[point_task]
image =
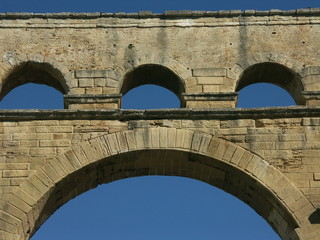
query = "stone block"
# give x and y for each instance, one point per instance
(205, 142)
(112, 143)
(19, 129)
(94, 90)
(147, 138)
(77, 155)
(55, 143)
(91, 106)
(236, 157)
(187, 140)
(16, 173)
(245, 159)
(130, 140)
(48, 151)
(163, 137)
(304, 212)
(14, 166)
(180, 138)
(210, 80)
(211, 88)
(109, 90)
(139, 138)
(314, 184)
(69, 161)
(38, 184)
(112, 83)
(5, 137)
(155, 137)
(222, 148)
(144, 13)
(100, 82)
(196, 141)
(86, 82)
(210, 104)
(9, 233)
(313, 102)
(57, 168)
(209, 72)
(171, 134)
(30, 190)
(4, 182)
(237, 123)
(257, 167)
(262, 138)
(10, 144)
(44, 179)
(90, 151)
(91, 73)
(316, 176)
(32, 136)
(77, 91)
(227, 156)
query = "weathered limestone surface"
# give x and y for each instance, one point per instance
(268, 158)
(204, 52)
(269, 162)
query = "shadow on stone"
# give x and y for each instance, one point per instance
(314, 218)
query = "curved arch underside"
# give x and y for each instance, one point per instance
(33, 72)
(160, 151)
(167, 163)
(153, 74)
(269, 72)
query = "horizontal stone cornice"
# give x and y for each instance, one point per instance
(166, 14)
(193, 114)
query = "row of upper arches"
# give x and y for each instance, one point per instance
(160, 75)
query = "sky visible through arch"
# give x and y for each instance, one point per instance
(152, 207)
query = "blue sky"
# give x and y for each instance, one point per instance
(153, 5)
(151, 207)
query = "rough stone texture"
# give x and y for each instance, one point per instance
(99, 53)
(269, 162)
(268, 157)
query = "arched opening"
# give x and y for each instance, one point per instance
(169, 163)
(273, 73)
(150, 96)
(33, 72)
(156, 75)
(264, 95)
(33, 96)
(155, 207)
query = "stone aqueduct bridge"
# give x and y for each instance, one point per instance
(268, 158)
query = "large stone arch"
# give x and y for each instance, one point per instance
(16, 69)
(141, 152)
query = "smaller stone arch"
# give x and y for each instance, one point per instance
(271, 68)
(276, 74)
(154, 74)
(33, 68)
(181, 70)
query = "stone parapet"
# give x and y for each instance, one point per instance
(210, 100)
(97, 101)
(182, 113)
(166, 14)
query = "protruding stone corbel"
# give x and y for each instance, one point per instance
(312, 98)
(88, 101)
(211, 100)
